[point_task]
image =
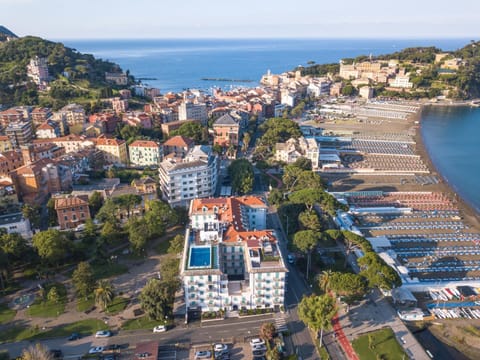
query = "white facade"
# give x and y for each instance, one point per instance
(145, 153)
(402, 82)
(182, 180)
(246, 270)
(16, 223)
(293, 149)
(193, 111)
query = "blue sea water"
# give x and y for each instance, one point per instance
(178, 64)
(450, 135)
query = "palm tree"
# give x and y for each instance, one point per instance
(324, 280)
(37, 352)
(104, 294)
(267, 331)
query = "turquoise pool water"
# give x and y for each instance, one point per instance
(200, 257)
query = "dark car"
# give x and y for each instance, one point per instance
(74, 336)
(112, 348)
(258, 352)
(56, 354)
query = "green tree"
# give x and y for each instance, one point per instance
(267, 331)
(104, 293)
(377, 272)
(193, 130)
(109, 231)
(13, 245)
(127, 202)
(51, 245)
(241, 173)
(317, 312)
(305, 241)
(159, 216)
(83, 279)
(275, 197)
(303, 163)
(176, 245)
(95, 203)
(157, 297)
(138, 234)
(90, 231)
(52, 213)
(324, 280)
(246, 141)
(306, 196)
(53, 296)
(32, 213)
(37, 352)
(309, 220)
(347, 284)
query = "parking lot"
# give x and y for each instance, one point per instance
(237, 351)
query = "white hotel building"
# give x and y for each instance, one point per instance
(192, 177)
(230, 261)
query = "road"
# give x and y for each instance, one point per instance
(297, 287)
(206, 333)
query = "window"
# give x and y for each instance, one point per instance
(82, 215)
(65, 218)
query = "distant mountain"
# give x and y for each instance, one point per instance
(6, 34)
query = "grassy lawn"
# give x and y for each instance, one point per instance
(17, 333)
(142, 323)
(6, 314)
(47, 308)
(84, 327)
(85, 304)
(108, 270)
(380, 344)
(118, 304)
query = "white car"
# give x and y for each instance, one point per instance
(103, 333)
(96, 350)
(256, 341)
(203, 355)
(159, 328)
(220, 347)
(291, 259)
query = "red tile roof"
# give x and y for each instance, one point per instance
(179, 141)
(144, 143)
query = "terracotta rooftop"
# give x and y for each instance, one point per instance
(102, 140)
(144, 143)
(70, 201)
(179, 141)
(45, 126)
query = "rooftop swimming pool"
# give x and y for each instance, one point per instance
(200, 257)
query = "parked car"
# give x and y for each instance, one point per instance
(258, 353)
(143, 355)
(74, 336)
(96, 350)
(257, 341)
(291, 259)
(103, 333)
(112, 348)
(56, 354)
(159, 328)
(260, 347)
(203, 355)
(220, 347)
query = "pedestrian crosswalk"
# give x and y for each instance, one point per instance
(281, 324)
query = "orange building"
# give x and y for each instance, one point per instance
(72, 211)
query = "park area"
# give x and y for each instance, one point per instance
(380, 344)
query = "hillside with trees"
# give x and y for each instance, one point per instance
(428, 77)
(74, 76)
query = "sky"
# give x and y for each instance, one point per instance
(90, 19)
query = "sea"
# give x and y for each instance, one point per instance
(178, 64)
(450, 134)
(451, 137)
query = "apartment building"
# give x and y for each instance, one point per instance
(40, 115)
(71, 143)
(117, 78)
(178, 146)
(20, 133)
(5, 144)
(72, 211)
(37, 70)
(114, 150)
(145, 153)
(226, 131)
(48, 130)
(193, 111)
(230, 259)
(195, 176)
(293, 149)
(72, 114)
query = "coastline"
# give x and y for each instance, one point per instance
(468, 210)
